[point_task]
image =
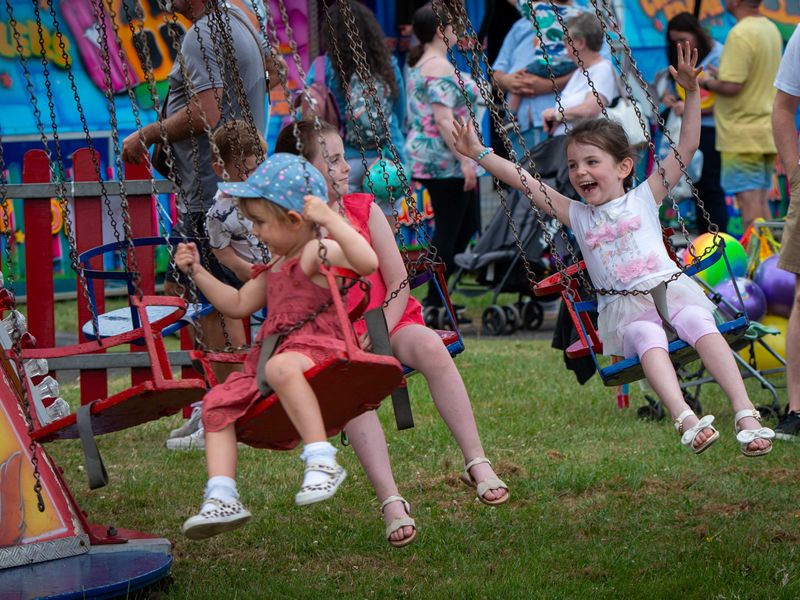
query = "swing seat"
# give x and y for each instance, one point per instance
(123, 320)
(159, 396)
(346, 386)
(629, 369)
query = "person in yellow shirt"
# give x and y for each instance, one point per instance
(743, 109)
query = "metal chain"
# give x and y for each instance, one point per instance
(16, 336)
(98, 7)
(464, 22)
(56, 168)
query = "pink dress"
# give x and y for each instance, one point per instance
(291, 296)
(357, 208)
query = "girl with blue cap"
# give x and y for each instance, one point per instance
(284, 200)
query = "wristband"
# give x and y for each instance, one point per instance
(483, 154)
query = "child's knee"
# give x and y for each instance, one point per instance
(693, 322)
(641, 336)
(280, 369)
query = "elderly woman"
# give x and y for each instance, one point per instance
(578, 98)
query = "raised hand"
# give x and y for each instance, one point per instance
(686, 73)
(466, 140)
(187, 257)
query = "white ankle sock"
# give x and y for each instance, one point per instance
(318, 453)
(221, 488)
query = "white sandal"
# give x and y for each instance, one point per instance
(688, 436)
(492, 483)
(745, 437)
(318, 492)
(399, 522)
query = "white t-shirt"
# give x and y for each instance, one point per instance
(574, 93)
(621, 241)
(226, 226)
(788, 78)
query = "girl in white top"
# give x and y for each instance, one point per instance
(620, 237)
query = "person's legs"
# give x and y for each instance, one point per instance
(648, 341)
(221, 510)
(789, 426)
(708, 186)
(422, 349)
(449, 208)
(696, 326)
(748, 177)
(285, 374)
(369, 443)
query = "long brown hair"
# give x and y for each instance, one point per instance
(687, 23)
(369, 31)
(308, 135)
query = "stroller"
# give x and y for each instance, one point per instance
(495, 260)
(497, 266)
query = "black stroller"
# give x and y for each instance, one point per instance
(495, 260)
(497, 266)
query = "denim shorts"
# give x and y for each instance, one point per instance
(743, 172)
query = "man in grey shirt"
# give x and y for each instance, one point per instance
(213, 91)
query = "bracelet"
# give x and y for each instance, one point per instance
(483, 154)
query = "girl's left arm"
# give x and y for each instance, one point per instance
(346, 248)
(686, 75)
(393, 270)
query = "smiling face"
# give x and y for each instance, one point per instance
(337, 171)
(595, 174)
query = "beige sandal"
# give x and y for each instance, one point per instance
(745, 437)
(492, 483)
(399, 522)
(689, 435)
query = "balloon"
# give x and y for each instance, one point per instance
(778, 286)
(734, 251)
(765, 360)
(383, 185)
(755, 303)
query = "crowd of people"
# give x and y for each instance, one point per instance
(254, 213)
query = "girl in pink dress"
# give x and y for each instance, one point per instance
(413, 344)
(274, 197)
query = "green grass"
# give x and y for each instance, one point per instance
(603, 505)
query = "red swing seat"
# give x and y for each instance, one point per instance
(157, 397)
(346, 385)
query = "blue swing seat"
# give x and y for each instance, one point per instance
(123, 320)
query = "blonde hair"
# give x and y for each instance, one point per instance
(246, 205)
(237, 140)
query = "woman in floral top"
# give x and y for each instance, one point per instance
(435, 98)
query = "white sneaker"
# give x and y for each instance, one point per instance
(225, 516)
(318, 492)
(193, 441)
(191, 425)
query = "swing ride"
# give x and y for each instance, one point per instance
(347, 384)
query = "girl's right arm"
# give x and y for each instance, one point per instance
(231, 302)
(468, 144)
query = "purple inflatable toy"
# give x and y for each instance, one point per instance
(777, 285)
(755, 302)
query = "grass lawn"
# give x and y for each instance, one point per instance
(603, 505)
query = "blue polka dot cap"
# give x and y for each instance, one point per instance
(281, 179)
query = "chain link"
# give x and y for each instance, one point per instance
(16, 335)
